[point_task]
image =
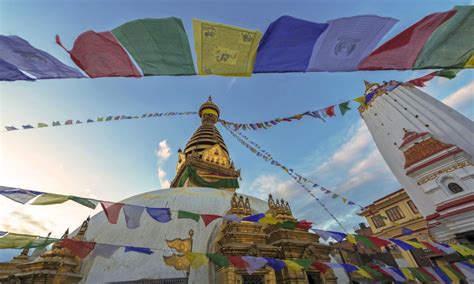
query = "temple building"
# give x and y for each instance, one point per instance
(429, 147)
(206, 182)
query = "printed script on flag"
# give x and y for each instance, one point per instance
(225, 50)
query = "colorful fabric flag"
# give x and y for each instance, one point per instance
(10, 128)
(351, 238)
(407, 273)
(237, 261)
(442, 275)
(347, 41)
(349, 267)
(445, 249)
(364, 273)
(78, 248)
(224, 50)
(9, 72)
(304, 225)
(85, 201)
(338, 236)
(254, 263)
(188, 215)
(159, 46)
(450, 45)
(38, 63)
(276, 264)
(50, 198)
(16, 241)
(138, 249)
(196, 260)
(254, 218)
(360, 100)
(40, 125)
(366, 241)
(323, 267)
(419, 275)
(19, 195)
(99, 54)
(162, 215)
(420, 82)
(415, 244)
(133, 215)
(68, 122)
(430, 272)
(329, 111)
(218, 259)
(466, 268)
(28, 126)
(393, 274)
(305, 263)
(208, 218)
(344, 107)
(402, 244)
(2, 233)
(232, 218)
(287, 45)
(269, 219)
(111, 210)
(41, 242)
(406, 231)
(400, 52)
(292, 265)
(104, 250)
(289, 225)
(432, 248)
(378, 241)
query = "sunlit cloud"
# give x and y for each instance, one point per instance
(163, 152)
(462, 98)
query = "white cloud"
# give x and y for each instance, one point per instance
(162, 177)
(461, 97)
(163, 152)
(265, 184)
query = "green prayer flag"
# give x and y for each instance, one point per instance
(334, 196)
(306, 263)
(159, 46)
(420, 275)
(50, 198)
(368, 243)
(451, 44)
(85, 201)
(344, 107)
(188, 215)
(218, 259)
(448, 73)
(290, 225)
(17, 241)
(41, 242)
(372, 271)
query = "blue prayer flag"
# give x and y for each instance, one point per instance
(337, 235)
(132, 215)
(406, 231)
(276, 264)
(254, 218)
(19, 195)
(28, 126)
(104, 250)
(402, 244)
(138, 249)
(369, 97)
(89, 121)
(349, 267)
(442, 275)
(9, 72)
(38, 63)
(2, 233)
(287, 45)
(161, 215)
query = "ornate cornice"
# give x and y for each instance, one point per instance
(448, 169)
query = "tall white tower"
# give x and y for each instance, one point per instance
(430, 148)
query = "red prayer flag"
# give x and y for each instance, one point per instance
(379, 242)
(238, 262)
(101, 55)
(420, 82)
(432, 248)
(330, 111)
(376, 267)
(304, 225)
(208, 218)
(78, 248)
(400, 52)
(427, 273)
(111, 210)
(320, 266)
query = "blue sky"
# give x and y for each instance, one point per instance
(115, 160)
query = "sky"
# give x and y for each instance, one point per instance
(116, 160)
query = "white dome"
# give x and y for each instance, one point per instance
(134, 266)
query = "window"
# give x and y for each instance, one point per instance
(378, 221)
(413, 206)
(395, 214)
(454, 187)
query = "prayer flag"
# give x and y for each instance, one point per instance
(68, 122)
(287, 45)
(347, 41)
(41, 242)
(2, 233)
(406, 231)
(400, 52)
(432, 248)
(40, 124)
(415, 244)
(111, 210)
(338, 236)
(378, 241)
(133, 214)
(446, 249)
(466, 268)
(50, 198)
(289, 225)
(305, 263)
(407, 273)
(392, 274)
(323, 267)
(419, 275)
(304, 225)
(366, 241)
(351, 238)
(85, 201)
(17, 241)
(349, 267)
(38, 63)
(269, 219)
(56, 123)
(78, 248)
(451, 44)
(232, 218)
(196, 260)
(10, 128)
(159, 46)
(224, 50)
(218, 259)
(188, 215)
(344, 107)
(99, 54)
(402, 244)
(369, 97)
(360, 100)
(237, 261)
(420, 82)
(90, 120)
(276, 264)
(329, 111)
(292, 265)
(254, 263)
(162, 215)
(9, 72)
(442, 275)
(371, 271)
(323, 234)
(104, 250)
(19, 195)
(138, 249)
(208, 218)
(254, 218)
(430, 274)
(28, 126)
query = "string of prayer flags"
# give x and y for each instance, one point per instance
(401, 52)
(22, 55)
(18, 195)
(9, 72)
(162, 215)
(99, 54)
(188, 215)
(224, 50)
(447, 73)
(158, 46)
(16, 241)
(111, 210)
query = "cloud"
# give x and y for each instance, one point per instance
(462, 97)
(265, 184)
(163, 152)
(162, 177)
(16, 223)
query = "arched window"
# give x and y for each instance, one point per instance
(455, 188)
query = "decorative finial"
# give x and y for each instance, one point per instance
(209, 99)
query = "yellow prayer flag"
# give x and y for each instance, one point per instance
(462, 250)
(40, 124)
(407, 273)
(470, 62)
(360, 100)
(416, 244)
(344, 200)
(16, 241)
(269, 219)
(351, 238)
(50, 198)
(293, 265)
(224, 50)
(196, 260)
(450, 274)
(364, 273)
